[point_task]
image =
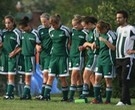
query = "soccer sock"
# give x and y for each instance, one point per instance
(108, 94)
(72, 91)
(43, 89)
(26, 91)
(10, 89)
(47, 91)
(85, 91)
(80, 89)
(65, 92)
(97, 93)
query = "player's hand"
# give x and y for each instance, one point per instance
(11, 54)
(81, 48)
(130, 51)
(102, 39)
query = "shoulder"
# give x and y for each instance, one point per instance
(35, 32)
(112, 34)
(40, 27)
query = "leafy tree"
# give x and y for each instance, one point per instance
(7, 7)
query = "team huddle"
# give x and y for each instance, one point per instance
(88, 52)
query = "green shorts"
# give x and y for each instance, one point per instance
(8, 65)
(105, 70)
(76, 63)
(29, 62)
(21, 66)
(91, 63)
(44, 63)
(58, 66)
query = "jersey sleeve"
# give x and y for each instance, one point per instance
(112, 37)
(35, 32)
(18, 36)
(132, 33)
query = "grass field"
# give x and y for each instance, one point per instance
(55, 104)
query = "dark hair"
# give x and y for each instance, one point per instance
(11, 19)
(24, 22)
(123, 12)
(103, 25)
(55, 19)
(89, 19)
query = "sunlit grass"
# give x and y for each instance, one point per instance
(56, 104)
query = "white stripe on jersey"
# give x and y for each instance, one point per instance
(34, 31)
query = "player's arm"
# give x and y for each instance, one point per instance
(15, 51)
(110, 45)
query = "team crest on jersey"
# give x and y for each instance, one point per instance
(125, 33)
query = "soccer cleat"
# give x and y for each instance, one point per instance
(39, 97)
(107, 102)
(46, 98)
(6, 97)
(70, 100)
(95, 101)
(64, 100)
(120, 104)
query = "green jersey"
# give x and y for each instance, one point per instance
(77, 39)
(106, 55)
(10, 40)
(29, 41)
(93, 37)
(45, 39)
(60, 39)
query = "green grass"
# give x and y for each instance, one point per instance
(55, 104)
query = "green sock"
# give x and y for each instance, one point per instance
(97, 93)
(47, 91)
(26, 91)
(85, 91)
(72, 92)
(80, 89)
(108, 94)
(65, 92)
(43, 89)
(10, 89)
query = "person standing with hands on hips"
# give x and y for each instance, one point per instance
(125, 54)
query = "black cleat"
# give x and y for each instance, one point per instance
(64, 100)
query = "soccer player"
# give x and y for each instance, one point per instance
(105, 62)
(76, 62)
(59, 57)
(124, 55)
(10, 49)
(46, 45)
(29, 41)
(89, 24)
